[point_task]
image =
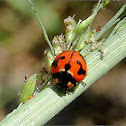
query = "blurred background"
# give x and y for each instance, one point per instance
(22, 48)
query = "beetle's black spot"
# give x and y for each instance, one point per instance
(55, 62)
(63, 79)
(80, 71)
(71, 56)
(67, 67)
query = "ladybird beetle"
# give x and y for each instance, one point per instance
(67, 69)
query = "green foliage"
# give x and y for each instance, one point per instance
(81, 26)
(50, 101)
(28, 88)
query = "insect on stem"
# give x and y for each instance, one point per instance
(43, 28)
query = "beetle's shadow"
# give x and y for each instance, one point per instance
(61, 92)
(58, 91)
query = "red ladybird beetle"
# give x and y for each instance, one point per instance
(67, 69)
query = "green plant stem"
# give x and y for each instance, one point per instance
(50, 101)
(112, 22)
(43, 28)
(88, 20)
(123, 21)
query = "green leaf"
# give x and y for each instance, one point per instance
(84, 24)
(28, 88)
